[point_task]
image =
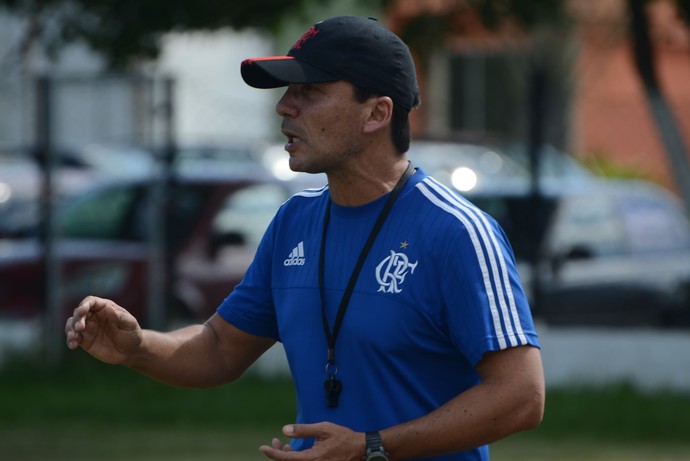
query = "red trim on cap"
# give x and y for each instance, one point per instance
(266, 58)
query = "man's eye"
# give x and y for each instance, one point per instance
(308, 88)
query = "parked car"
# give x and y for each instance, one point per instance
(611, 253)
(474, 167)
(215, 224)
(467, 167)
(21, 184)
(80, 168)
(606, 252)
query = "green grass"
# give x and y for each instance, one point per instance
(87, 392)
(611, 424)
(618, 414)
(87, 410)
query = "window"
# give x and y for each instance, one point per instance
(523, 224)
(588, 224)
(101, 215)
(654, 224)
(486, 94)
(247, 213)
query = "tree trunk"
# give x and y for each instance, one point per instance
(661, 112)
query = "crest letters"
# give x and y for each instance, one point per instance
(391, 272)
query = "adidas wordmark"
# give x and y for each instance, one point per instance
(296, 257)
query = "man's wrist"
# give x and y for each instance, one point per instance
(374, 450)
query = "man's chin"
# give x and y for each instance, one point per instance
(300, 167)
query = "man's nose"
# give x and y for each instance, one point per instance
(285, 107)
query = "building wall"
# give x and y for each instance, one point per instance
(611, 116)
(212, 104)
(608, 114)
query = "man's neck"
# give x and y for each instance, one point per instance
(366, 183)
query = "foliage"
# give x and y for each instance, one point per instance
(430, 28)
(121, 30)
(603, 165)
(528, 13)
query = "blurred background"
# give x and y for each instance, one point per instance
(135, 164)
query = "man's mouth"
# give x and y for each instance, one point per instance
(292, 142)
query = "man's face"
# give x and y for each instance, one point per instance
(323, 124)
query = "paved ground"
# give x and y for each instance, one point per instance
(650, 359)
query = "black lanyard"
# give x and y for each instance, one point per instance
(332, 385)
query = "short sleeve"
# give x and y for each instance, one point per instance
(486, 308)
(250, 305)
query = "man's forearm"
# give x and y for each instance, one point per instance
(477, 417)
(510, 399)
(175, 358)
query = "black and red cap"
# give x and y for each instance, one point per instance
(359, 50)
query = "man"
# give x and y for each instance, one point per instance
(404, 323)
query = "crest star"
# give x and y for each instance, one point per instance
(404, 244)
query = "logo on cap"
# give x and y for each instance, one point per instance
(311, 33)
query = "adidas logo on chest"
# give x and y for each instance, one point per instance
(296, 257)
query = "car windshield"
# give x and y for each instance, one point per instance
(465, 167)
(523, 220)
(653, 223)
(18, 217)
(122, 212)
(117, 212)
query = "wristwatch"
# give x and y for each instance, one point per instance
(375, 450)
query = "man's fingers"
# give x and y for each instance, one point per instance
(322, 431)
(77, 322)
(79, 314)
(91, 304)
(87, 309)
(305, 431)
(285, 454)
(278, 452)
(74, 341)
(70, 332)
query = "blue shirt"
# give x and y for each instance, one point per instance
(439, 288)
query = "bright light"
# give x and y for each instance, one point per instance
(278, 162)
(464, 179)
(281, 169)
(5, 192)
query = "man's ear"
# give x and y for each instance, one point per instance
(380, 114)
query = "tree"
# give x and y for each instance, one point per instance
(429, 29)
(659, 107)
(125, 30)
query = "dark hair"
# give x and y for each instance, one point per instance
(400, 121)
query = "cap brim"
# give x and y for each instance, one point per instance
(277, 71)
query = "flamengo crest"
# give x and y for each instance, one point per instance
(391, 272)
(307, 35)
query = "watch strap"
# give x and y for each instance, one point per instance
(374, 444)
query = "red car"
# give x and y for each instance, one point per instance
(108, 239)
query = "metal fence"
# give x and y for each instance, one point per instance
(51, 115)
(113, 109)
